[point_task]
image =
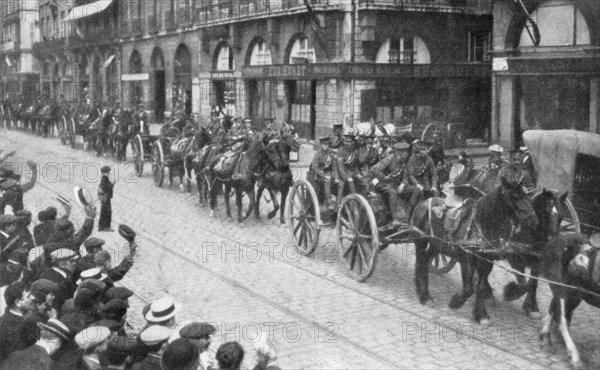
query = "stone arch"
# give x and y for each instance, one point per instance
(255, 41)
(291, 43)
(182, 77)
(215, 61)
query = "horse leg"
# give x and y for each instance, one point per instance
(226, 198)
(251, 202)
(200, 187)
(549, 318)
(273, 195)
(530, 305)
(239, 206)
(480, 314)
(213, 200)
(284, 194)
(259, 193)
(563, 327)
(423, 258)
(466, 272)
(515, 290)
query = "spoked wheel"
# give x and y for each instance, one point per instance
(442, 264)
(358, 237)
(63, 131)
(138, 155)
(302, 216)
(158, 164)
(570, 223)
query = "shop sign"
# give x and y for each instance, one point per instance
(554, 65)
(365, 70)
(221, 75)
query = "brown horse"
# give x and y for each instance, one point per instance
(555, 261)
(492, 219)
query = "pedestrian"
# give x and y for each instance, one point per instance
(105, 193)
(16, 333)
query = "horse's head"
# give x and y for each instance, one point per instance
(519, 203)
(278, 152)
(551, 209)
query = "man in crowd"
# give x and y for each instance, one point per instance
(63, 264)
(10, 240)
(155, 338)
(16, 333)
(514, 172)
(43, 291)
(388, 178)
(105, 193)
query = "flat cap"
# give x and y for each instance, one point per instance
(401, 146)
(40, 288)
(121, 346)
(118, 292)
(93, 285)
(43, 216)
(180, 353)
(197, 330)
(92, 243)
(22, 214)
(155, 334)
(63, 254)
(127, 233)
(92, 336)
(115, 308)
(64, 225)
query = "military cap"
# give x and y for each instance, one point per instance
(42, 287)
(92, 243)
(105, 169)
(118, 292)
(63, 254)
(495, 148)
(115, 308)
(121, 346)
(92, 336)
(338, 125)
(155, 334)
(401, 146)
(127, 233)
(324, 139)
(197, 330)
(6, 220)
(56, 327)
(350, 136)
(92, 274)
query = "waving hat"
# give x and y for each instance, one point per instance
(127, 233)
(82, 196)
(61, 199)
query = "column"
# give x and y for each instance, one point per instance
(594, 105)
(502, 110)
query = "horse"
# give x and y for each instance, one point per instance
(550, 209)
(239, 173)
(555, 266)
(277, 177)
(195, 160)
(490, 220)
(119, 133)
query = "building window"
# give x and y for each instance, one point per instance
(560, 24)
(225, 59)
(302, 52)
(479, 46)
(403, 50)
(261, 55)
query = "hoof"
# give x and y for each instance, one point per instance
(456, 302)
(534, 315)
(425, 298)
(256, 215)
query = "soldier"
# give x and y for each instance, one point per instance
(514, 173)
(324, 167)
(347, 164)
(528, 165)
(247, 129)
(142, 119)
(367, 155)
(388, 177)
(336, 139)
(269, 131)
(420, 175)
(495, 160)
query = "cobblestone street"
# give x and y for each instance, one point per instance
(250, 281)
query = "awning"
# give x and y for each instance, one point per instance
(87, 10)
(108, 61)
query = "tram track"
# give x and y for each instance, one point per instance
(237, 285)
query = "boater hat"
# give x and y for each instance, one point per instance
(62, 200)
(495, 148)
(82, 196)
(163, 309)
(93, 273)
(56, 327)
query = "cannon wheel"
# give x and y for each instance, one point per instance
(188, 174)
(138, 155)
(302, 216)
(71, 138)
(64, 131)
(158, 163)
(358, 237)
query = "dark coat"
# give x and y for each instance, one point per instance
(151, 362)
(106, 187)
(32, 358)
(66, 287)
(43, 232)
(15, 334)
(69, 357)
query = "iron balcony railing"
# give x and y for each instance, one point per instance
(481, 6)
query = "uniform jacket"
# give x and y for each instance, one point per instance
(367, 158)
(420, 170)
(323, 164)
(389, 170)
(347, 162)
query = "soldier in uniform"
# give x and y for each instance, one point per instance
(348, 171)
(421, 175)
(247, 129)
(270, 132)
(367, 155)
(323, 166)
(514, 172)
(142, 119)
(336, 139)
(388, 177)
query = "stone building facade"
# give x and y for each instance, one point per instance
(313, 63)
(550, 82)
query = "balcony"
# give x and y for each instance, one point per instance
(224, 11)
(443, 6)
(170, 20)
(152, 24)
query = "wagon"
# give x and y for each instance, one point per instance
(142, 149)
(164, 158)
(71, 125)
